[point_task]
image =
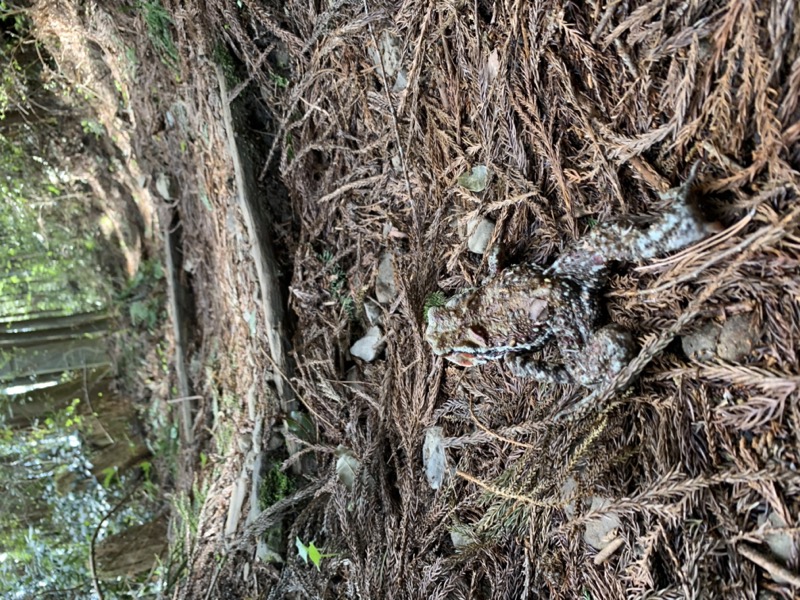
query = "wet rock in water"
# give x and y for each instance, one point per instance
(480, 231)
(385, 287)
(370, 346)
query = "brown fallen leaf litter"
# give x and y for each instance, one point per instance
(686, 484)
(580, 113)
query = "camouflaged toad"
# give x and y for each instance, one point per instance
(523, 307)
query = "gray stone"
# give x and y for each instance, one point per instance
(476, 179)
(369, 346)
(373, 312)
(385, 287)
(235, 506)
(462, 537)
(347, 467)
(737, 338)
(390, 48)
(165, 186)
(433, 457)
(731, 341)
(567, 490)
(701, 344)
(779, 542)
(602, 530)
(397, 163)
(480, 231)
(402, 81)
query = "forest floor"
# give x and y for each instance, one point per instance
(357, 120)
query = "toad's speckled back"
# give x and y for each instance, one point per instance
(511, 312)
(522, 307)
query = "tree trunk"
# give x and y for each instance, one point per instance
(53, 357)
(40, 323)
(133, 551)
(34, 334)
(111, 429)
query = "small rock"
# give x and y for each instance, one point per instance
(396, 162)
(281, 55)
(251, 403)
(603, 530)
(731, 341)
(245, 442)
(433, 457)
(737, 338)
(701, 344)
(356, 383)
(390, 48)
(373, 312)
(476, 179)
(275, 441)
(235, 506)
(402, 81)
(779, 542)
(567, 490)
(164, 186)
(369, 346)
(461, 537)
(480, 231)
(385, 287)
(347, 467)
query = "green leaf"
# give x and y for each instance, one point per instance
(433, 300)
(314, 555)
(302, 550)
(300, 425)
(108, 475)
(476, 180)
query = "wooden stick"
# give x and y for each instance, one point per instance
(777, 572)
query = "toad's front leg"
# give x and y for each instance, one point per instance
(606, 353)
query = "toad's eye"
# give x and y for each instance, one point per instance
(537, 310)
(476, 335)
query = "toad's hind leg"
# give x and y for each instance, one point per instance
(680, 226)
(521, 365)
(607, 352)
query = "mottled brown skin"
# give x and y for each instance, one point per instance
(523, 307)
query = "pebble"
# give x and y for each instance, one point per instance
(385, 287)
(370, 346)
(480, 231)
